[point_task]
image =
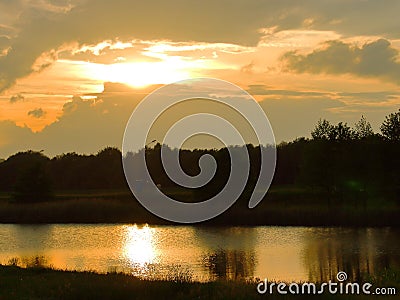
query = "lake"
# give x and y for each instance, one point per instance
(206, 253)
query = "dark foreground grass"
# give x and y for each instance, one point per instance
(45, 283)
(41, 283)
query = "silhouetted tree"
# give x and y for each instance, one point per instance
(33, 182)
(363, 129)
(342, 132)
(390, 128)
(15, 165)
(323, 130)
(337, 162)
(107, 169)
(72, 171)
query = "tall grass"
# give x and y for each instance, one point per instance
(46, 283)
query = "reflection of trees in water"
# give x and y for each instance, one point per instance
(32, 237)
(34, 261)
(354, 251)
(230, 251)
(230, 264)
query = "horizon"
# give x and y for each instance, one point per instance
(192, 147)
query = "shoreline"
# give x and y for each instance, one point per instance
(282, 206)
(40, 282)
(116, 212)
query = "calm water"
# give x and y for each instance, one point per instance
(281, 253)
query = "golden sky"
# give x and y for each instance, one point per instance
(71, 72)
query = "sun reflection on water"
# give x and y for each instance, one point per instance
(140, 245)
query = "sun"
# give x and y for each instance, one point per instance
(141, 74)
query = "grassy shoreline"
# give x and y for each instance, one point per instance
(47, 283)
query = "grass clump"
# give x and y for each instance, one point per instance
(46, 283)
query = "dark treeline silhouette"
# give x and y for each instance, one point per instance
(338, 166)
(71, 171)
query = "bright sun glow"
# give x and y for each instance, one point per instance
(139, 245)
(140, 74)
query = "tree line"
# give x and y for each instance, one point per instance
(338, 161)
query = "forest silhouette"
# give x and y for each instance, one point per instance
(339, 169)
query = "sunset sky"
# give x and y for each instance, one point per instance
(71, 72)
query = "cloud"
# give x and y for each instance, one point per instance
(249, 68)
(294, 113)
(88, 124)
(347, 17)
(4, 43)
(14, 138)
(37, 113)
(259, 89)
(48, 27)
(371, 96)
(17, 98)
(374, 59)
(292, 117)
(43, 31)
(85, 126)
